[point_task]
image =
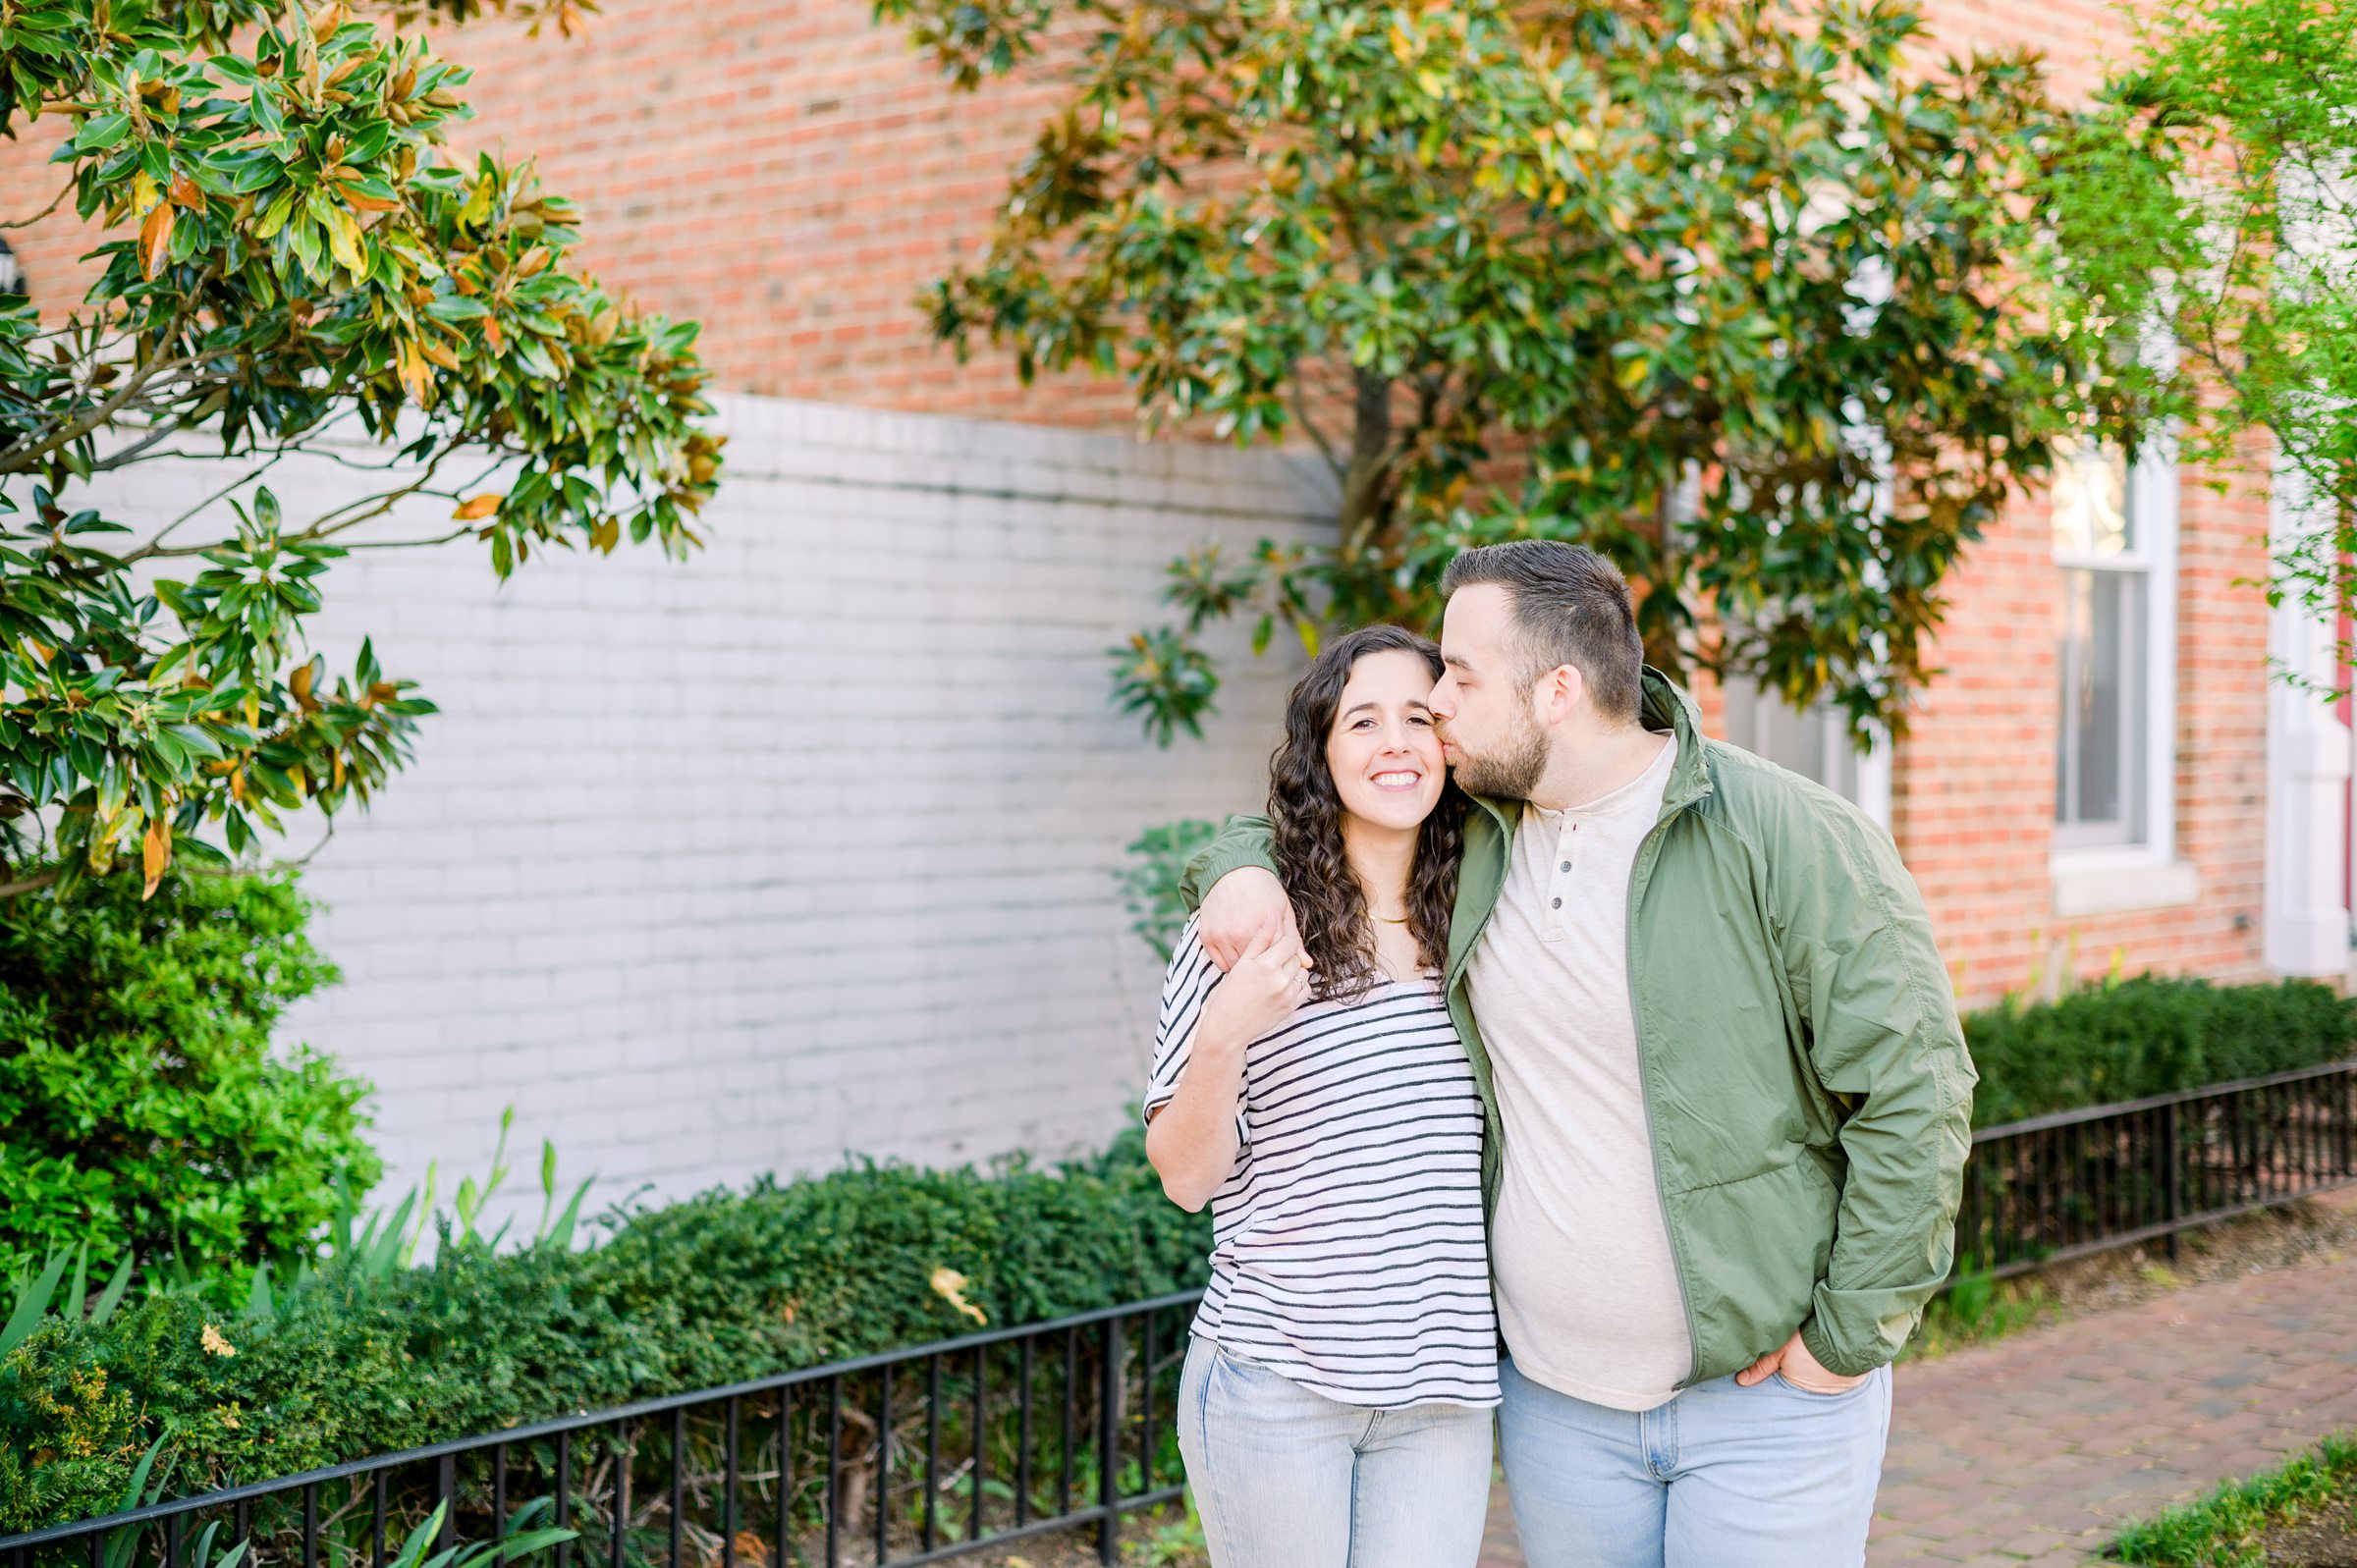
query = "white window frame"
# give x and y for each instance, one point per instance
(2094, 879)
(1871, 792)
(2310, 755)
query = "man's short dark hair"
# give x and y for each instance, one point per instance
(1571, 607)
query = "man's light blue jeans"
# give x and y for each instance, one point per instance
(1285, 1477)
(1721, 1477)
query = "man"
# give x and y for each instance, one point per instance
(1727, 1097)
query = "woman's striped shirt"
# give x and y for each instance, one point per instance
(1347, 1251)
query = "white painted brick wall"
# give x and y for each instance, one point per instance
(801, 847)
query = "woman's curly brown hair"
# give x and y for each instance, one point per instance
(1305, 811)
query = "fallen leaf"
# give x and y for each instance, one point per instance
(949, 1285)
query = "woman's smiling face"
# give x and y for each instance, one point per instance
(1383, 751)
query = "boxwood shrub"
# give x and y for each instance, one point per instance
(2149, 1036)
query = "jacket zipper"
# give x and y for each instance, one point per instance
(1484, 1077)
(1639, 875)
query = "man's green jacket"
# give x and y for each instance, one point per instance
(1807, 1081)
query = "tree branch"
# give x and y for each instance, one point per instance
(1333, 459)
(136, 449)
(54, 201)
(410, 544)
(18, 460)
(155, 546)
(333, 523)
(33, 884)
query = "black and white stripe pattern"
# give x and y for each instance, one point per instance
(1348, 1251)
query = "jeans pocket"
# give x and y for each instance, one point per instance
(1856, 1389)
(1242, 1371)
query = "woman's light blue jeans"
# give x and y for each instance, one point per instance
(1721, 1477)
(1284, 1478)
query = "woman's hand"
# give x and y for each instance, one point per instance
(1268, 985)
(1192, 1142)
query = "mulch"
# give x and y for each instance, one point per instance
(2326, 1539)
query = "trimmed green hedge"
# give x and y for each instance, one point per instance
(716, 1290)
(2149, 1036)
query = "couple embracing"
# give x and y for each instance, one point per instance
(1612, 1088)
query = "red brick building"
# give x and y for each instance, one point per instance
(2104, 774)
(794, 174)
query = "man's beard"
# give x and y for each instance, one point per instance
(1509, 774)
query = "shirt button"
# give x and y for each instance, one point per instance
(1567, 866)
(1558, 903)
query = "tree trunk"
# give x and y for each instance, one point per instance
(1659, 622)
(1366, 485)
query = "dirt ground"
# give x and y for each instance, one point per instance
(2328, 1539)
(2275, 1238)
(1147, 1542)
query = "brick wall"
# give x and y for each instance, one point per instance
(1973, 785)
(805, 845)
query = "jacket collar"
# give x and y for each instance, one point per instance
(1662, 704)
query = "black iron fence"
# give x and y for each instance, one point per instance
(922, 1455)
(2081, 1181)
(910, 1457)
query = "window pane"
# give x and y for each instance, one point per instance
(1814, 743)
(2091, 515)
(1766, 726)
(2100, 781)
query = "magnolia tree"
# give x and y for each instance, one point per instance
(1739, 297)
(289, 258)
(2205, 219)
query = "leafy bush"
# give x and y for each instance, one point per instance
(1150, 882)
(2148, 1035)
(719, 1289)
(141, 1109)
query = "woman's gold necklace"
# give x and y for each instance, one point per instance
(1390, 920)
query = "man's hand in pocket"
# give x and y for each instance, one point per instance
(1800, 1369)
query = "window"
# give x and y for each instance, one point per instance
(2114, 543)
(2101, 635)
(1814, 743)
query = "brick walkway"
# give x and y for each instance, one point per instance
(2031, 1450)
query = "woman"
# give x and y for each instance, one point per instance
(1335, 1409)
